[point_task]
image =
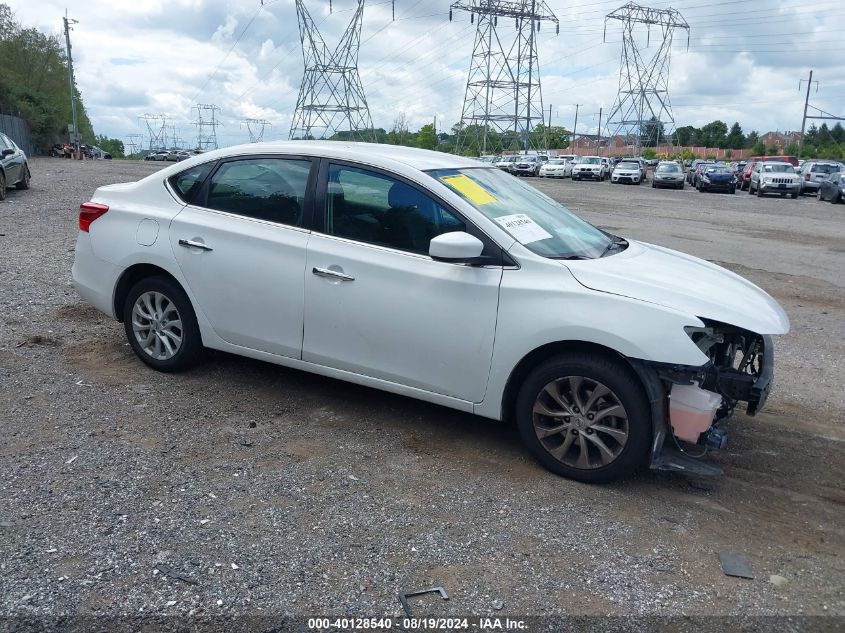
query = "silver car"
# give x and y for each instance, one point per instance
(668, 174)
(812, 172)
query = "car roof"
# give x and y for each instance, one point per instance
(375, 154)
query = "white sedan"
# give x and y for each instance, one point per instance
(440, 278)
(556, 168)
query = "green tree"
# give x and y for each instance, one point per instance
(751, 139)
(427, 137)
(652, 133)
(685, 136)
(759, 148)
(772, 150)
(735, 139)
(649, 153)
(111, 145)
(714, 134)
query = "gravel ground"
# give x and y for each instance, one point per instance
(245, 488)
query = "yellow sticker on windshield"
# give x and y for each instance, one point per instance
(470, 189)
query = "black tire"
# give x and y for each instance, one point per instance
(23, 183)
(819, 195)
(653, 186)
(794, 195)
(190, 351)
(759, 191)
(624, 387)
(2, 186)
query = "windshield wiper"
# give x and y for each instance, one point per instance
(570, 257)
(615, 241)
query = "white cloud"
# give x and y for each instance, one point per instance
(164, 56)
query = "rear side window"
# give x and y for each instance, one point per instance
(271, 189)
(188, 182)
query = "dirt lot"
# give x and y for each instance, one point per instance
(270, 491)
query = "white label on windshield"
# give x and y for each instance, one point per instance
(523, 228)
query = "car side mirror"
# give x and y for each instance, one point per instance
(456, 247)
(8, 151)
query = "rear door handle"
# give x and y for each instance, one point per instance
(195, 244)
(325, 272)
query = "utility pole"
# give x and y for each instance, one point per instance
(806, 104)
(575, 127)
(75, 137)
(548, 127)
(598, 139)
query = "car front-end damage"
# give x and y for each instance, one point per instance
(740, 369)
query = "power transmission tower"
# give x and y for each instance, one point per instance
(255, 127)
(503, 100)
(331, 97)
(74, 135)
(157, 130)
(134, 143)
(206, 126)
(642, 109)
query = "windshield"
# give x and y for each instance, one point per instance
(669, 167)
(719, 170)
(824, 169)
(780, 168)
(557, 162)
(628, 166)
(539, 223)
(591, 160)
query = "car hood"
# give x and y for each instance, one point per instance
(719, 176)
(685, 283)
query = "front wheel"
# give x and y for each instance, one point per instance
(585, 417)
(2, 186)
(161, 326)
(759, 191)
(794, 195)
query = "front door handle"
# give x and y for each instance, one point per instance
(195, 244)
(326, 272)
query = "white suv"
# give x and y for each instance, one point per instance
(774, 177)
(591, 168)
(437, 277)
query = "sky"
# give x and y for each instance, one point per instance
(744, 62)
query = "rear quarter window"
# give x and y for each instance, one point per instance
(187, 183)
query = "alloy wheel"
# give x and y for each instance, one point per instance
(580, 422)
(157, 325)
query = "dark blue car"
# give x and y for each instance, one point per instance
(717, 178)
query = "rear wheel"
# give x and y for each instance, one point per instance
(2, 186)
(23, 183)
(585, 417)
(819, 195)
(161, 325)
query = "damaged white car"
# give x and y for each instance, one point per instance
(440, 278)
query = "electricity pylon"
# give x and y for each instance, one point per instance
(206, 139)
(134, 143)
(255, 127)
(503, 101)
(642, 110)
(157, 128)
(331, 97)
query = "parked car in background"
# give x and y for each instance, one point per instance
(157, 156)
(506, 162)
(591, 168)
(556, 168)
(628, 171)
(692, 169)
(813, 172)
(717, 178)
(14, 167)
(526, 166)
(182, 155)
(668, 174)
(745, 180)
(696, 176)
(431, 276)
(488, 159)
(792, 160)
(774, 177)
(832, 188)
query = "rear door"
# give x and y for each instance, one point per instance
(241, 247)
(376, 304)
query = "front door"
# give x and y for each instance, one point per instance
(376, 304)
(241, 248)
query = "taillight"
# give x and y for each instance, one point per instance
(807, 176)
(90, 211)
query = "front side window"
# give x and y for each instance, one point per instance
(271, 189)
(542, 225)
(370, 207)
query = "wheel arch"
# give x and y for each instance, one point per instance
(540, 354)
(130, 277)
